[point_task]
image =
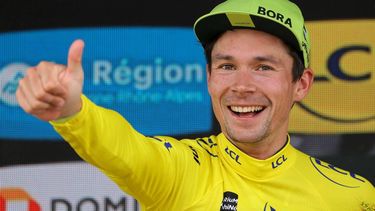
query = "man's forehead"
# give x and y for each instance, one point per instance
(248, 33)
(246, 42)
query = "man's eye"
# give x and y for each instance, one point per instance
(264, 68)
(227, 67)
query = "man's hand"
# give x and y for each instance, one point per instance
(51, 91)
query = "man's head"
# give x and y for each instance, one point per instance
(251, 53)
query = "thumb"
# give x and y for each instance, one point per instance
(75, 56)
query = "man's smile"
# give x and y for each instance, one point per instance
(246, 111)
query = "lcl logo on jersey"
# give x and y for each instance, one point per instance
(342, 97)
(233, 155)
(279, 161)
(336, 175)
(12, 199)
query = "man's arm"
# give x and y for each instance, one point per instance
(142, 166)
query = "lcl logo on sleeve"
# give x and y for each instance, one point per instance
(342, 97)
(12, 199)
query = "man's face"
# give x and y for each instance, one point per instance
(251, 86)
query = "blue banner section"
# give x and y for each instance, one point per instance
(155, 77)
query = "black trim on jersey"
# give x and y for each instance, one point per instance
(210, 144)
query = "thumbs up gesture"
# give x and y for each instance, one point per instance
(50, 91)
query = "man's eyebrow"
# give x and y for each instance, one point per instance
(267, 58)
(220, 56)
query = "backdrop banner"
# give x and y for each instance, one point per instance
(342, 99)
(74, 186)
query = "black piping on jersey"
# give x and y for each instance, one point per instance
(210, 144)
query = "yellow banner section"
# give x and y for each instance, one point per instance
(342, 99)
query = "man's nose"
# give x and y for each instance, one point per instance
(244, 82)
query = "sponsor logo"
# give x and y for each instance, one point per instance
(145, 76)
(80, 187)
(336, 71)
(279, 161)
(16, 199)
(337, 175)
(233, 155)
(9, 77)
(341, 99)
(230, 201)
(88, 203)
(12, 199)
(275, 15)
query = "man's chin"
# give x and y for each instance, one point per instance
(249, 137)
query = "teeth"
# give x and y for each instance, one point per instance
(241, 109)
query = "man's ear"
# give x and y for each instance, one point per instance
(304, 84)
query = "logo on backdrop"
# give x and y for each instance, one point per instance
(9, 77)
(17, 199)
(84, 187)
(342, 97)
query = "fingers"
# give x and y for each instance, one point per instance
(75, 56)
(49, 73)
(37, 93)
(29, 104)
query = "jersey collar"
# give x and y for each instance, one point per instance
(253, 168)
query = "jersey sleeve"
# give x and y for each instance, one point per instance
(145, 167)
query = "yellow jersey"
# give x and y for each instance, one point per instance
(209, 173)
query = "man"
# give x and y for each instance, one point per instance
(257, 55)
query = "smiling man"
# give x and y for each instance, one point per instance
(252, 89)
(257, 55)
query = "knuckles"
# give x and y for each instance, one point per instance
(44, 65)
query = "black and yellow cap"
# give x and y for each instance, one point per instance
(280, 18)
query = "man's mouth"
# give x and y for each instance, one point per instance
(246, 111)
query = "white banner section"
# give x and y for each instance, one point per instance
(71, 186)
